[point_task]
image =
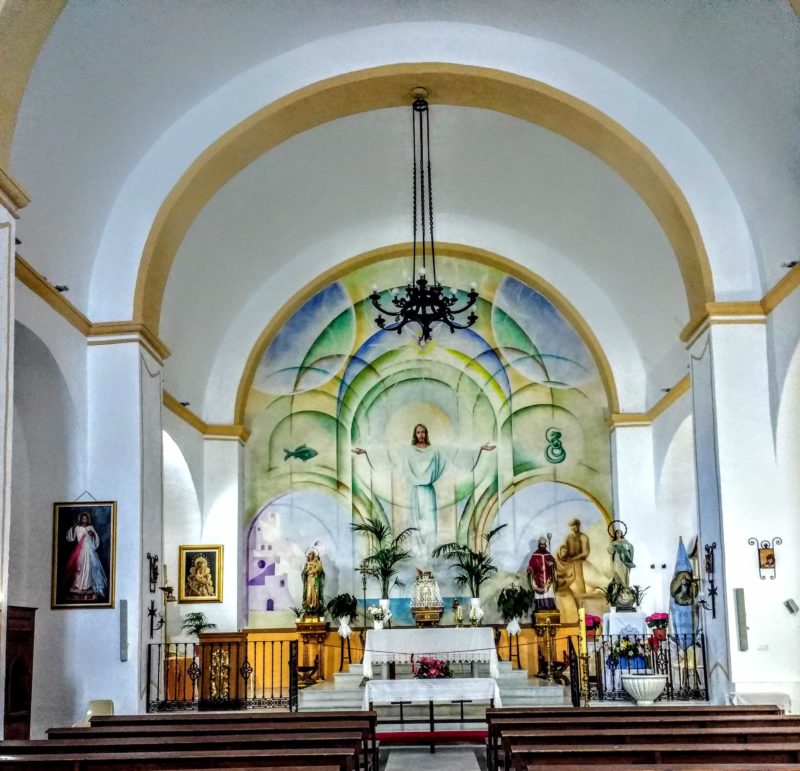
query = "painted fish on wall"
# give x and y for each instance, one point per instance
(302, 452)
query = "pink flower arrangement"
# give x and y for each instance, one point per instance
(657, 620)
(592, 622)
(430, 669)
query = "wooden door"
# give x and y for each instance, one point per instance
(19, 672)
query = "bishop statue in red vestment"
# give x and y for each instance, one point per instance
(542, 577)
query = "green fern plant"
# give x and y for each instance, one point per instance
(472, 567)
(196, 622)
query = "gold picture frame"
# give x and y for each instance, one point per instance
(200, 573)
(84, 555)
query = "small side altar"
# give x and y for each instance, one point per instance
(627, 623)
(398, 646)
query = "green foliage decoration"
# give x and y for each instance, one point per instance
(387, 552)
(514, 602)
(472, 567)
(343, 605)
(196, 622)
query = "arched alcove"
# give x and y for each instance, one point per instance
(182, 521)
(48, 466)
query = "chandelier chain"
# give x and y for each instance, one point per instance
(424, 302)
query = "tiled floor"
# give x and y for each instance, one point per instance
(444, 759)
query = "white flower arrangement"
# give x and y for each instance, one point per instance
(378, 613)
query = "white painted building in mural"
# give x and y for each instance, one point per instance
(181, 179)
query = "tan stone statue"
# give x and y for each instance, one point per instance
(574, 552)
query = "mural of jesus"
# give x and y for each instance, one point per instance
(423, 465)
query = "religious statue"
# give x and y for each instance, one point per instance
(574, 552)
(313, 584)
(621, 551)
(423, 465)
(542, 577)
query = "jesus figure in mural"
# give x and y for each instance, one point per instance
(423, 465)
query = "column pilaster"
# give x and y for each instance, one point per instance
(223, 523)
(125, 464)
(634, 500)
(740, 497)
(7, 252)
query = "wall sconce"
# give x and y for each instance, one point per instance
(766, 556)
(709, 549)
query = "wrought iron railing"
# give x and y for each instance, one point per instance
(222, 675)
(681, 658)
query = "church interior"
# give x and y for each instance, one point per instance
(329, 322)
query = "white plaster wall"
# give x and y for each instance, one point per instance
(676, 489)
(787, 442)
(152, 526)
(783, 338)
(48, 466)
(223, 523)
(182, 524)
(124, 465)
(190, 443)
(754, 505)
(7, 237)
(719, 637)
(634, 502)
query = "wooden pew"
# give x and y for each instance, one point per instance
(194, 760)
(362, 725)
(633, 734)
(678, 767)
(218, 719)
(564, 718)
(775, 754)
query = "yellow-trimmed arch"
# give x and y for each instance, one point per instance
(458, 251)
(390, 86)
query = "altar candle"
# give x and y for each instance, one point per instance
(582, 621)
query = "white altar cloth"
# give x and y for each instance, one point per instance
(630, 623)
(466, 644)
(439, 690)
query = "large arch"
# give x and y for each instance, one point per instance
(483, 256)
(388, 86)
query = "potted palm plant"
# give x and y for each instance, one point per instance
(514, 602)
(472, 567)
(387, 553)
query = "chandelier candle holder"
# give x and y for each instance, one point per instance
(424, 300)
(426, 600)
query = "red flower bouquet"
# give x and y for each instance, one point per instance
(592, 622)
(430, 669)
(657, 620)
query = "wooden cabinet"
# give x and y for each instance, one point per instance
(19, 672)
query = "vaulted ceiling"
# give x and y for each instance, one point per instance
(127, 100)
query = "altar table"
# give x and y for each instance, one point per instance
(436, 691)
(466, 644)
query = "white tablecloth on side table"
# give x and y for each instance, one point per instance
(397, 646)
(439, 690)
(632, 623)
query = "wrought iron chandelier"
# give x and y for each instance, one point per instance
(424, 301)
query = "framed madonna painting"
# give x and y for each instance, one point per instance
(84, 541)
(200, 573)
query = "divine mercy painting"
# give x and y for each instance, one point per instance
(84, 536)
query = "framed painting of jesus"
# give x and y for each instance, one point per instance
(84, 538)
